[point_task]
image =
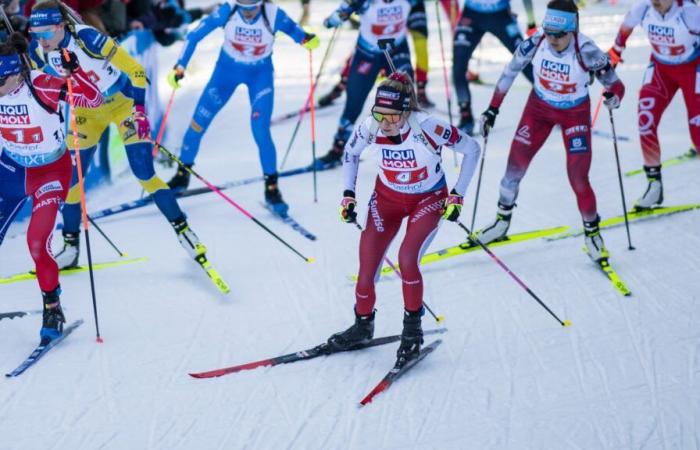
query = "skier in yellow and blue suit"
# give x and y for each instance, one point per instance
(122, 81)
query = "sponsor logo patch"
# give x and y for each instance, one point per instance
(51, 186)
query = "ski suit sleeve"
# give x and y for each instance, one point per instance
(106, 47)
(348, 7)
(442, 133)
(287, 26)
(597, 61)
(633, 18)
(53, 90)
(691, 17)
(214, 20)
(358, 142)
(521, 58)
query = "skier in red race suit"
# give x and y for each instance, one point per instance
(32, 131)
(410, 185)
(673, 29)
(563, 62)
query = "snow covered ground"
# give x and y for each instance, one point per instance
(626, 375)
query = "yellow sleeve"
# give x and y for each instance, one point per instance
(123, 61)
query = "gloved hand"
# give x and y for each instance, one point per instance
(452, 206)
(141, 123)
(612, 101)
(347, 207)
(531, 29)
(311, 41)
(487, 120)
(615, 55)
(69, 64)
(333, 21)
(175, 75)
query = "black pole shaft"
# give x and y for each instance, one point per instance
(619, 177)
(92, 284)
(478, 181)
(109, 241)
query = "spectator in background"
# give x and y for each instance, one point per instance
(165, 18)
(18, 21)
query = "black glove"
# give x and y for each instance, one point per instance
(488, 120)
(71, 63)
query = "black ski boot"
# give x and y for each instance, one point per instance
(336, 92)
(411, 338)
(181, 180)
(466, 119)
(67, 258)
(273, 196)
(53, 320)
(333, 157)
(423, 100)
(357, 335)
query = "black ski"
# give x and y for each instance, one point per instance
(397, 371)
(13, 314)
(41, 350)
(315, 352)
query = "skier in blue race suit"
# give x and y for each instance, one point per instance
(12, 194)
(245, 58)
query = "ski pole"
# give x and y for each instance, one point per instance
(596, 112)
(161, 130)
(313, 122)
(619, 177)
(478, 181)
(83, 203)
(473, 237)
(109, 241)
(448, 94)
(439, 318)
(310, 99)
(231, 202)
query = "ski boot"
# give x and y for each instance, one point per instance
(335, 93)
(189, 240)
(181, 180)
(497, 231)
(53, 318)
(359, 334)
(423, 100)
(68, 257)
(273, 196)
(466, 119)
(411, 338)
(334, 156)
(654, 195)
(595, 247)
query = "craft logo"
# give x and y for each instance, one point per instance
(661, 35)
(399, 159)
(554, 70)
(248, 35)
(14, 115)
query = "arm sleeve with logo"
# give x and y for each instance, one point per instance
(287, 26)
(442, 133)
(53, 90)
(105, 46)
(633, 18)
(521, 58)
(358, 142)
(214, 20)
(597, 61)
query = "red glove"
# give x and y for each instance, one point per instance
(143, 126)
(615, 55)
